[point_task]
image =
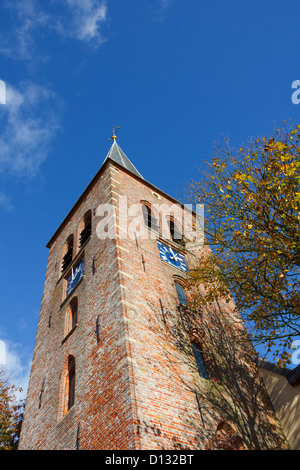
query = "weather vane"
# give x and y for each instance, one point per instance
(114, 137)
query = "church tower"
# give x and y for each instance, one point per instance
(121, 360)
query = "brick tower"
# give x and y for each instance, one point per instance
(120, 361)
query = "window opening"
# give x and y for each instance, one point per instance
(87, 231)
(181, 294)
(71, 382)
(176, 234)
(67, 259)
(73, 313)
(149, 219)
(199, 361)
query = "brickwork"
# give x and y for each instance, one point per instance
(102, 379)
(136, 385)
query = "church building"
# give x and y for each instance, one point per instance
(122, 359)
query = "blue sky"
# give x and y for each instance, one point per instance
(173, 74)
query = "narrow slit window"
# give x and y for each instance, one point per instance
(41, 393)
(71, 382)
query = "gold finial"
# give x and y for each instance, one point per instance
(114, 137)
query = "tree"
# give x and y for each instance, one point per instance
(11, 414)
(251, 197)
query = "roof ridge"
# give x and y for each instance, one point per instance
(120, 152)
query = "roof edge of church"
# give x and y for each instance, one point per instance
(116, 154)
(94, 179)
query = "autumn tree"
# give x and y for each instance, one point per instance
(251, 251)
(10, 414)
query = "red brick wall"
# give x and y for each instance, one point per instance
(102, 379)
(135, 388)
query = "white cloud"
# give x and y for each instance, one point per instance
(5, 202)
(2, 92)
(87, 16)
(19, 43)
(29, 123)
(78, 19)
(17, 368)
(2, 353)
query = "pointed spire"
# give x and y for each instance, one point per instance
(117, 155)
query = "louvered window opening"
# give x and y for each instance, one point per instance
(67, 259)
(86, 233)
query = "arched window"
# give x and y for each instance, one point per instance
(70, 384)
(226, 438)
(198, 355)
(67, 259)
(87, 228)
(149, 219)
(181, 294)
(72, 313)
(176, 234)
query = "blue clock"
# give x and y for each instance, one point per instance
(172, 256)
(76, 274)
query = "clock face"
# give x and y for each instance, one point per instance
(172, 256)
(75, 277)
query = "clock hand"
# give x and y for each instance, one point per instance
(174, 256)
